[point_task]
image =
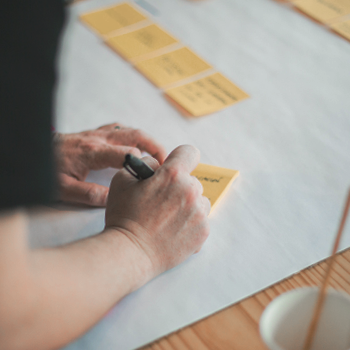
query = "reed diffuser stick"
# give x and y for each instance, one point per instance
(323, 289)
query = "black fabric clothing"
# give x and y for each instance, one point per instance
(29, 37)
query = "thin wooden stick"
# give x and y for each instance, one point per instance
(322, 293)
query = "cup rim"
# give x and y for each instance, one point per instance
(267, 336)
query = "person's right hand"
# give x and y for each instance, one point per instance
(165, 216)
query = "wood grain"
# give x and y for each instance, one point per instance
(237, 327)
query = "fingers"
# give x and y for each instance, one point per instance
(184, 158)
(112, 156)
(75, 191)
(139, 139)
(206, 205)
(205, 202)
(117, 134)
(153, 163)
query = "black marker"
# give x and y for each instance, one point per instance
(137, 167)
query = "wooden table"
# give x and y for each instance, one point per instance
(237, 327)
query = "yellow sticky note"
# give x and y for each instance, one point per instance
(112, 18)
(342, 28)
(215, 181)
(172, 67)
(324, 10)
(141, 41)
(206, 95)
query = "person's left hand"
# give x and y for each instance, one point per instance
(77, 154)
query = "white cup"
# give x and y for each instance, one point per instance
(285, 322)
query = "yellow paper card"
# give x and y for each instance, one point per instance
(141, 41)
(172, 67)
(342, 28)
(324, 10)
(112, 18)
(206, 95)
(215, 181)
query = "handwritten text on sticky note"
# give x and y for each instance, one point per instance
(207, 95)
(141, 41)
(215, 181)
(172, 67)
(112, 18)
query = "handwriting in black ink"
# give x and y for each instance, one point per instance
(209, 179)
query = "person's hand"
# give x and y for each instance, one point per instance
(77, 154)
(165, 216)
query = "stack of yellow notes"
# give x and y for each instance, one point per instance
(162, 59)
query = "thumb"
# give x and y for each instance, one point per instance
(185, 157)
(151, 162)
(123, 178)
(75, 191)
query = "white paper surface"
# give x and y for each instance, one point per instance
(290, 141)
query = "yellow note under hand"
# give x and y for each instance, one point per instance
(141, 41)
(172, 67)
(206, 95)
(110, 19)
(215, 180)
(324, 10)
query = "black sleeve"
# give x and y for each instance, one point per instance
(29, 36)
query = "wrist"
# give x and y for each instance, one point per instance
(140, 268)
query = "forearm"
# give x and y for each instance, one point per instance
(68, 289)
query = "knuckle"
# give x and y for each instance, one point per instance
(89, 148)
(199, 185)
(206, 231)
(194, 196)
(191, 197)
(207, 204)
(135, 152)
(92, 195)
(203, 234)
(138, 133)
(172, 174)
